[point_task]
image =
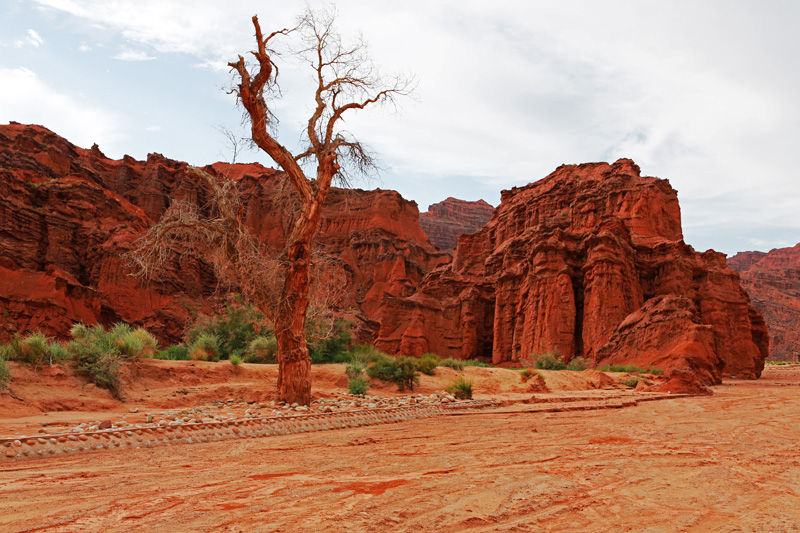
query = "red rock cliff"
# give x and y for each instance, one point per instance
(446, 221)
(590, 261)
(773, 282)
(67, 214)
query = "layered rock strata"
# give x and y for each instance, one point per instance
(773, 282)
(446, 221)
(589, 261)
(67, 215)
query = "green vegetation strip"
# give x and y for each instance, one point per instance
(37, 446)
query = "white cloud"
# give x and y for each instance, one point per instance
(34, 39)
(127, 54)
(703, 94)
(83, 47)
(153, 128)
(766, 245)
(211, 30)
(25, 98)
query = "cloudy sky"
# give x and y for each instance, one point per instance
(704, 94)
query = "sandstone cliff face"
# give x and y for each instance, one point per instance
(67, 214)
(590, 262)
(446, 221)
(773, 282)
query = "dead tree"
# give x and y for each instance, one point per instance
(345, 81)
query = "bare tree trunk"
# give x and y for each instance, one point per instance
(294, 363)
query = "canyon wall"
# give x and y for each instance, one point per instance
(773, 282)
(589, 261)
(68, 214)
(446, 221)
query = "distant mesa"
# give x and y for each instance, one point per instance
(773, 281)
(446, 221)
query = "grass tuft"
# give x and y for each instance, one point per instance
(461, 388)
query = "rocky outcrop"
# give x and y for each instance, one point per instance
(590, 262)
(68, 214)
(446, 221)
(773, 282)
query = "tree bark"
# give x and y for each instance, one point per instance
(294, 363)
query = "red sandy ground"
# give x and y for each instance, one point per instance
(727, 462)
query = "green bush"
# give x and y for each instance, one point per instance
(455, 364)
(461, 388)
(97, 353)
(333, 348)
(358, 386)
(476, 362)
(631, 369)
(131, 343)
(119, 330)
(432, 357)
(147, 342)
(176, 352)
(400, 370)
(35, 347)
(365, 353)
(263, 350)
(79, 331)
(5, 373)
(427, 365)
(130, 346)
(382, 367)
(205, 348)
(578, 363)
(631, 381)
(31, 349)
(57, 352)
(234, 328)
(655, 371)
(8, 351)
(103, 369)
(355, 369)
(549, 361)
(235, 359)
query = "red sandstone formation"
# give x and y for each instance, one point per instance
(590, 262)
(68, 213)
(446, 221)
(773, 282)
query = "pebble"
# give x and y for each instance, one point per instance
(238, 409)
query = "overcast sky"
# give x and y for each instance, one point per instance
(703, 93)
